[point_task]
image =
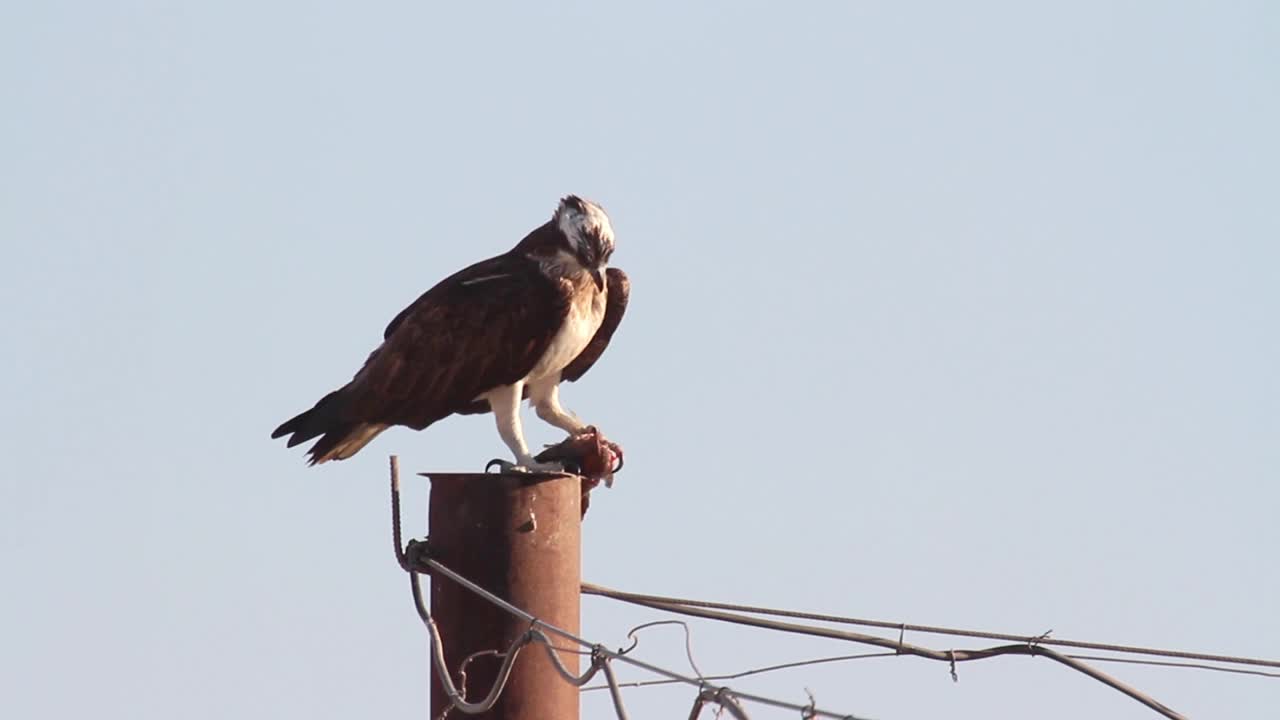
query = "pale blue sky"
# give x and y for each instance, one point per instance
(954, 313)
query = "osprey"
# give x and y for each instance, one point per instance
(504, 329)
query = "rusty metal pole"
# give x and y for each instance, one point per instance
(517, 536)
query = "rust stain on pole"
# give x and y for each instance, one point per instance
(519, 537)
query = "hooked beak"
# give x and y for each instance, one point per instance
(598, 275)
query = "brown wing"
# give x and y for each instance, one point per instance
(482, 328)
(619, 290)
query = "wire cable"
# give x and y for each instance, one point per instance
(720, 692)
(539, 631)
(753, 671)
(415, 560)
(1027, 647)
(1166, 663)
(591, 589)
(688, 641)
(863, 656)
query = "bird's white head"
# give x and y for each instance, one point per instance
(587, 229)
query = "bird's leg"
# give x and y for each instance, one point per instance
(505, 403)
(545, 396)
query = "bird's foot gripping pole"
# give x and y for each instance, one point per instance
(587, 454)
(533, 468)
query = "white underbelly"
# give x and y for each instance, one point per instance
(580, 325)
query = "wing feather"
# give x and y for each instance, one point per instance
(458, 340)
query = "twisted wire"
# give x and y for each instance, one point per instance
(1027, 647)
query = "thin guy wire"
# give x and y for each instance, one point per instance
(951, 656)
(1165, 663)
(535, 625)
(863, 656)
(591, 589)
(615, 692)
(688, 641)
(753, 671)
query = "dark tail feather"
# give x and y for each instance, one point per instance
(340, 438)
(313, 422)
